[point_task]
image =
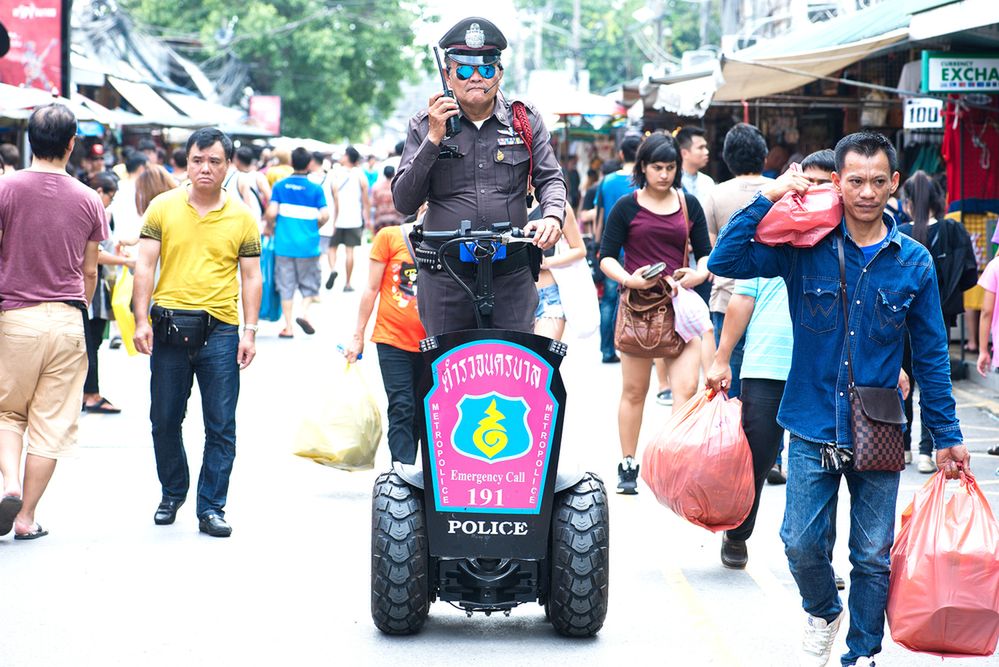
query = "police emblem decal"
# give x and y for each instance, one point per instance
(492, 428)
(474, 37)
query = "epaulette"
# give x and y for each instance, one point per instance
(527, 103)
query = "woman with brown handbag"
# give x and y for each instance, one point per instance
(653, 227)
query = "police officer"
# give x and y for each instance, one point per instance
(480, 174)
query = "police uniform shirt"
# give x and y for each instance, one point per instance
(488, 183)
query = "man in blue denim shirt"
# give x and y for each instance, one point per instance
(892, 291)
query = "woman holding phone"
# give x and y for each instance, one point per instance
(651, 227)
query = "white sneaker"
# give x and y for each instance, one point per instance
(926, 464)
(817, 643)
(864, 662)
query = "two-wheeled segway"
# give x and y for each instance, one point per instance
(488, 522)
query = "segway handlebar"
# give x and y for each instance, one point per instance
(499, 232)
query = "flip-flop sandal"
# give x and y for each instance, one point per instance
(33, 535)
(306, 325)
(102, 406)
(9, 507)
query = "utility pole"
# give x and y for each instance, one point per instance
(705, 18)
(574, 42)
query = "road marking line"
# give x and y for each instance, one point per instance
(702, 623)
(977, 401)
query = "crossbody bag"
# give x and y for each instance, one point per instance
(876, 417)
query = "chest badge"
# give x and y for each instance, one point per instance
(499, 156)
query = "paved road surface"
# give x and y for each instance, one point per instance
(107, 587)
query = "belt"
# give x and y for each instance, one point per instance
(427, 258)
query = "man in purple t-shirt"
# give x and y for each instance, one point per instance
(50, 227)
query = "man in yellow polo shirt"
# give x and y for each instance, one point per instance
(199, 236)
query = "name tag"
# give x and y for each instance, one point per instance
(509, 141)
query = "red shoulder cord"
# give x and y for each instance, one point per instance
(522, 126)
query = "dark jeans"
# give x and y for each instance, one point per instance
(173, 371)
(925, 438)
(93, 330)
(760, 400)
(608, 317)
(735, 361)
(400, 373)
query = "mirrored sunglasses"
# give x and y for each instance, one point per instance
(465, 72)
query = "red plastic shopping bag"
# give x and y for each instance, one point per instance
(802, 220)
(943, 596)
(700, 465)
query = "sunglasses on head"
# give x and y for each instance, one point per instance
(465, 72)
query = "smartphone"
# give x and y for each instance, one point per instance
(654, 270)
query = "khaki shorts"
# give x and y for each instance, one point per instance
(43, 363)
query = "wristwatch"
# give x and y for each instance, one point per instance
(250, 327)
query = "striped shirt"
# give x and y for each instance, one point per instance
(296, 231)
(769, 337)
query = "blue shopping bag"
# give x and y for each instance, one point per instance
(270, 302)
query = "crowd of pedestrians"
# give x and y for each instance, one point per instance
(758, 322)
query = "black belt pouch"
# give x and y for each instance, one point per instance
(185, 328)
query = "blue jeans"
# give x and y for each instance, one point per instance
(400, 374)
(173, 371)
(735, 361)
(809, 532)
(608, 318)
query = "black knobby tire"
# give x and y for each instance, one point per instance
(576, 603)
(400, 581)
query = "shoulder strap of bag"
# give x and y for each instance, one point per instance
(686, 222)
(840, 242)
(406, 228)
(522, 126)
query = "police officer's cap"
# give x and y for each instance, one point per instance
(473, 41)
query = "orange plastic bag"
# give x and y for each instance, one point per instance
(802, 220)
(943, 596)
(700, 465)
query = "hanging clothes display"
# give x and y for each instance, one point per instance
(977, 225)
(971, 151)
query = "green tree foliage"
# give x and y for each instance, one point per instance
(608, 47)
(336, 65)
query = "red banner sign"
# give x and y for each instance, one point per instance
(35, 56)
(265, 112)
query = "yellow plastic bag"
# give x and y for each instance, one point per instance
(121, 304)
(345, 432)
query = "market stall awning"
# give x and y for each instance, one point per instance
(17, 103)
(819, 49)
(203, 111)
(229, 120)
(747, 77)
(687, 94)
(114, 117)
(149, 103)
(958, 17)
